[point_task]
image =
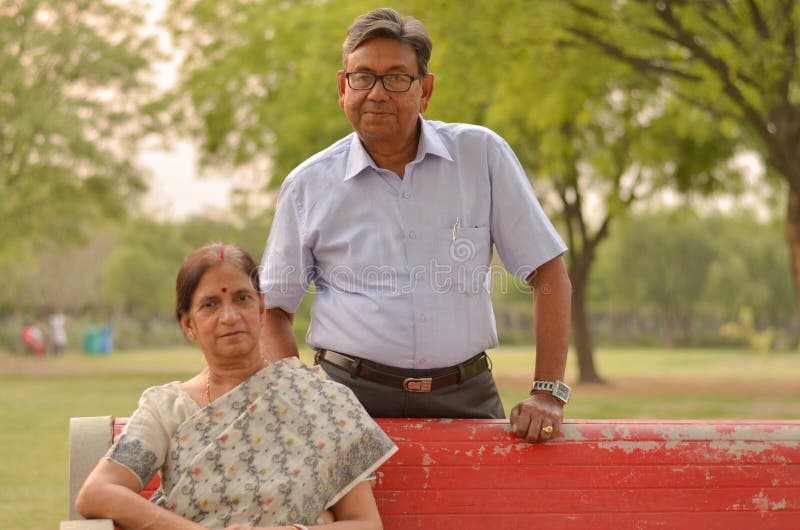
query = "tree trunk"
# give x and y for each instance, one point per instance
(689, 320)
(784, 157)
(793, 237)
(668, 328)
(580, 266)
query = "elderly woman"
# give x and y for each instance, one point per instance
(244, 443)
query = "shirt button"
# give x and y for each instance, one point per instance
(406, 195)
(412, 235)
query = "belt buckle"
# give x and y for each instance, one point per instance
(417, 384)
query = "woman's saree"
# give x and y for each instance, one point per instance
(278, 449)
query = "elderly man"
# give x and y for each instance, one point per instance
(394, 224)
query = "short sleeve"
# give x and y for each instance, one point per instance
(287, 265)
(523, 235)
(143, 445)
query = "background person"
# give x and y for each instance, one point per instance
(244, 442)
(33, 339)
(395, 225)
(58, 332)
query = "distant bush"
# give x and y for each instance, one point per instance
(131, 333)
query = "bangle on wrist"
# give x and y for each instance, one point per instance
(299, 527)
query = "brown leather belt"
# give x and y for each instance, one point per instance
(372, 371)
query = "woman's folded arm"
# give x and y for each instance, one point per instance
(112, 492)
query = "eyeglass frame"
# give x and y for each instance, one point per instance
(376, 77)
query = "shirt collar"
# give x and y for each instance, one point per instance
(430, 142)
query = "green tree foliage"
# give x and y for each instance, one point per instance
(736, 61)
(691, 275)
(54, 277)
(71, 80)
(663, 263)
(123, 275)
(139, 274)
(248, 232)
(259, 78)
(750, 270)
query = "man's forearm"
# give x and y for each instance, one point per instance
(538, 418)
(277, 335)
(552, 298)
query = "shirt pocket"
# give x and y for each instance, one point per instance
(460, 260)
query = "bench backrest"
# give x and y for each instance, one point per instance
(474, 474)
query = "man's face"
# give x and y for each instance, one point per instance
(376, 114)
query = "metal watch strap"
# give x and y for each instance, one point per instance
(543, 385)
(558, 389)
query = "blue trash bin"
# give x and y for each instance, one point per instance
(106, 339)
(98, 340)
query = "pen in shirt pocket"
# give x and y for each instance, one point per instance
(456, 227)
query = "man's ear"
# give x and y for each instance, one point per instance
(341, 82)
(427, 91)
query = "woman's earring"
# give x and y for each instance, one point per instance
(190, 335)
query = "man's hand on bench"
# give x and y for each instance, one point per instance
(538, 418)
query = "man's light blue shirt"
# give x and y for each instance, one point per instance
(402, 266)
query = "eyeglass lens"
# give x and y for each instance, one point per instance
(391, 82)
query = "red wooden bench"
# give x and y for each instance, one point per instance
(474, 474)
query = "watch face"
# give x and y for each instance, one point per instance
(561, 391)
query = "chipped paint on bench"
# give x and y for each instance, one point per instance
(596, 474)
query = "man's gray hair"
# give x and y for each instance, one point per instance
(388, 23)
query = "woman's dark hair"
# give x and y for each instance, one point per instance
(202, 259)
(388, 23)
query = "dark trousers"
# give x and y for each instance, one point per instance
(476, 397)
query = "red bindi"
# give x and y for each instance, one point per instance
(224, 289)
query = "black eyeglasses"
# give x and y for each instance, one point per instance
(391, 82)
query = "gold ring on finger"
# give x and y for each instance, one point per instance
(548, 429)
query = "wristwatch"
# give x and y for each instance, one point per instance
(559, 389)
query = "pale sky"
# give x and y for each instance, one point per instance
(176, 188)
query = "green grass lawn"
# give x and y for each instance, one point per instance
(39, 396)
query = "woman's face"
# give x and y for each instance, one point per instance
(225, 317)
